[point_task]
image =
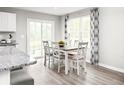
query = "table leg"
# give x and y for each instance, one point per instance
(66, 63)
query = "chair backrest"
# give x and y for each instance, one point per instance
(56, 50)
(45, 43)
(76, 42)
(69, 43)
(56, 53)
(46, 47)
(55, 45)
(82, 49)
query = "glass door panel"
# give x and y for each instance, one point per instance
(38, 32)
(35, 39)
(47, 33)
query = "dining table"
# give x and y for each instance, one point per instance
(66, 51)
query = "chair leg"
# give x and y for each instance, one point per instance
(58, 67)
(49, 61)
(78, 68)
(84, 65)
(71, 65)
(45, 61)
(53, 59)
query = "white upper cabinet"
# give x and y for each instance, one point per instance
(11, 22)
(3, 21)
(7, 22)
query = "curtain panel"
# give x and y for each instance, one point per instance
(94, 23)
(66, 20)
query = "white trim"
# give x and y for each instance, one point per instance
(111, 67)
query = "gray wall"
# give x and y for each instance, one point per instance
(111, 36)
(21, 23)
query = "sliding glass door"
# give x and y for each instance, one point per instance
(38, 31)
(35, 39)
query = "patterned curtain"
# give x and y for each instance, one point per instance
(66, 19)
(94, 15)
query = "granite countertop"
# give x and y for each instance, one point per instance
(8, 44)
(11, 57)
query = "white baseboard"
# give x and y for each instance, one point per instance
(109, 67)
(112, 68)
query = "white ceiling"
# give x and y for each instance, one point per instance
(52, 10)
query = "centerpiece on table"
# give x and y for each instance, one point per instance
(61, 43)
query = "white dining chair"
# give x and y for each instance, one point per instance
(69, 42)
(58, 55)
(47, 53)
(76, 43)
(77, 58)
(55, 44)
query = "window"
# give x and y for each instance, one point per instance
(79, 29)
(38, 31)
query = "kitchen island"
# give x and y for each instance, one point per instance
(11, 58)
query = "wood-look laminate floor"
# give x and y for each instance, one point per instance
(96, 75)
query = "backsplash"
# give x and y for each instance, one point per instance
(6, 35)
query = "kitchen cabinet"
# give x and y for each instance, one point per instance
(7, 22)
